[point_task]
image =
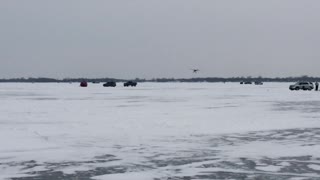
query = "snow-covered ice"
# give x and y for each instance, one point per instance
(158, 131)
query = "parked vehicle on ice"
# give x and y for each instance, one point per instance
(258, 83)
(245, 82)
(301, 85)
(84, 84)
(110, 84)
(130, 83)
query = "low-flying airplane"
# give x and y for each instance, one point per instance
(195, 70)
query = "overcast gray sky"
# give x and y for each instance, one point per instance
(159, 38)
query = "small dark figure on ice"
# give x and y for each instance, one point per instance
(317, 86)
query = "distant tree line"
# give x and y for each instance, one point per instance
(239, 79)
(204, 79)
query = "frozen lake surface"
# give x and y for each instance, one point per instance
(159, 131)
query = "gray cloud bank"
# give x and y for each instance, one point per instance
(146, 39)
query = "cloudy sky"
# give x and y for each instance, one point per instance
(159, 38)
